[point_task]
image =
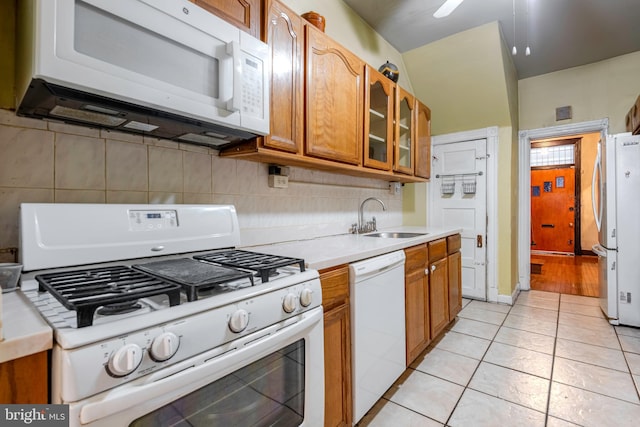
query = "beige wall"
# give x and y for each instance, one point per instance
(462, 79)
(351, 31)
(595, 91)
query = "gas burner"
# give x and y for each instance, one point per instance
(119, 308)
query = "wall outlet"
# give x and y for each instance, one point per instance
(278, 181)
(394, 188)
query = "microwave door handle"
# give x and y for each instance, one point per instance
(233, 50)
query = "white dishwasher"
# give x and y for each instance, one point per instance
(377, 328)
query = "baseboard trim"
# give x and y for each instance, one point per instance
(510, 299)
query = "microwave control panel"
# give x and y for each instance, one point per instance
(252, 100)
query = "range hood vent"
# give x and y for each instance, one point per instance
(49, 101)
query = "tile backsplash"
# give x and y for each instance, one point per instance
(46, 162)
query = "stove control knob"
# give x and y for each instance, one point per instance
(289, 303)
(306, 297)
(164, 346)
(239, 320)
(125, 360)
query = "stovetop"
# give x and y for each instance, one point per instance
(77, 298)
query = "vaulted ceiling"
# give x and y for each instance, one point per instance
(560, 33)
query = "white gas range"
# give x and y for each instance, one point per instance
(158, 318)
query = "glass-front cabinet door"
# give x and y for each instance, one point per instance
(378, 126)
(404, 131)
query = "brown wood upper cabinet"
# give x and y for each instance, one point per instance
(422, 167)
(334, 100)
(330, 111)
(244, 14)
(285, 36)
(404, 150)
(378, 120)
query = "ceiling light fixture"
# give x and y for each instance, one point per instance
(446, 9)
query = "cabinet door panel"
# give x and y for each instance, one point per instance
(438, 296)
(404, 131)
(24, 380)
(334, 99)
(337, 367)
(418, 334)
(285, 38)
(455, 284)
(378, 120)
(244, 14)
(417, 314)
(423, 141)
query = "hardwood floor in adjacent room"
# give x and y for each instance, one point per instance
(575, 275)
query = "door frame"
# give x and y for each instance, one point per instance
(491, 135)
(524, 197)
(577, 166)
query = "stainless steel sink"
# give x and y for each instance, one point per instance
(395, 235)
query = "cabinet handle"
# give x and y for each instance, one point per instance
(479, 241)
(433, 268)
(426, 271)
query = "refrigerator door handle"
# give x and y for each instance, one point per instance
(597, 172)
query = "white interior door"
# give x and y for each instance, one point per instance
(458, 198)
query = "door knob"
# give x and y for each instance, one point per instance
(479, 241)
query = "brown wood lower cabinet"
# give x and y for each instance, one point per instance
(337, 346)
(416, 288)
(433, 291)
(454, 259)
(438, 286)
(24, 380)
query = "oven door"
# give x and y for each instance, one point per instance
(272, 377)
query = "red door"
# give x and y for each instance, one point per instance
(553, 210)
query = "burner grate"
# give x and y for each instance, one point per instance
(263, 264)
(193, 275)
(86, 290)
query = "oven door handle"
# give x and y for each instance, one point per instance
(206, 370)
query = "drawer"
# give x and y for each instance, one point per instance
(416, 258)
(335, 286)
(437, 250)
(453, 244)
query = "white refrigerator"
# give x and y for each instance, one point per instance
(615, 193)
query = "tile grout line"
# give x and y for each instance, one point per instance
(626, 361)
(553, 362)
(466, 387)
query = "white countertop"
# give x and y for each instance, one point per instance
(25, 332)
(325, 252)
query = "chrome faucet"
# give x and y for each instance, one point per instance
(362, 226)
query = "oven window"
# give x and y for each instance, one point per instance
(269, 392)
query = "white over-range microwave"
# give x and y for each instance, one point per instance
(164, 68)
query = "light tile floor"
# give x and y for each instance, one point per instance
(549, 360)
